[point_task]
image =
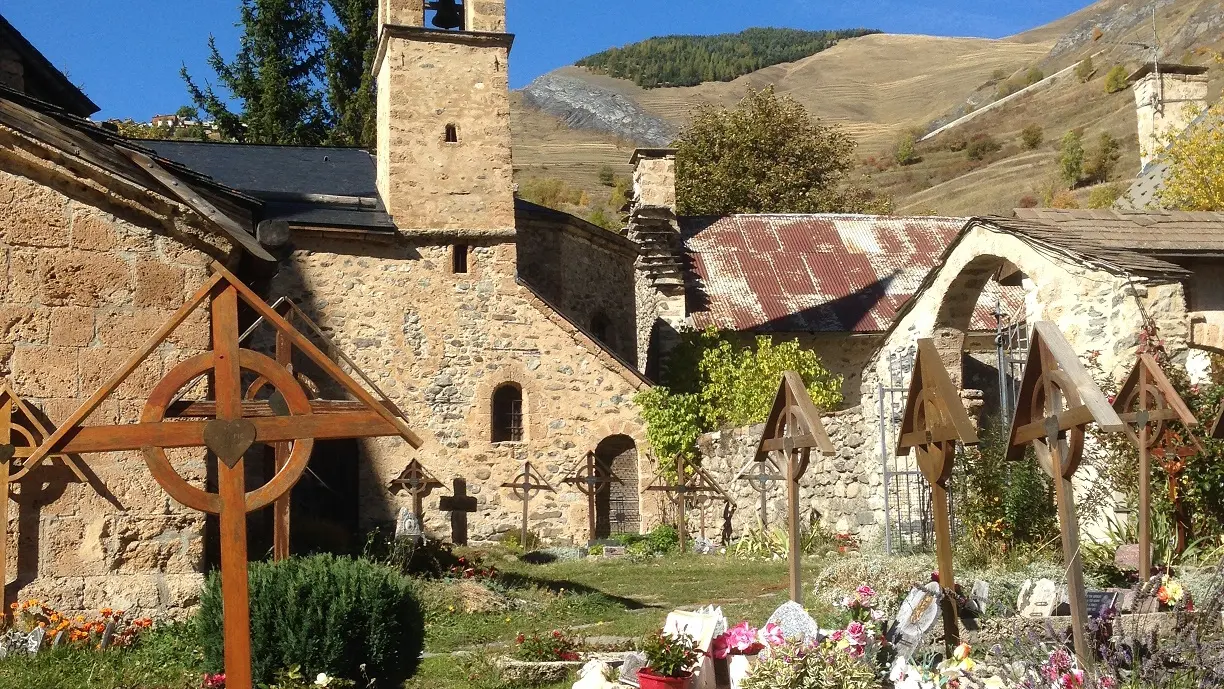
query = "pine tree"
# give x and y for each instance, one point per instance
(275, 76)
(349, 55)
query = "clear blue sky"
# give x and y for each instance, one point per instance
(127, 53)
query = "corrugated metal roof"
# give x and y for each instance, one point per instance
(814, 273)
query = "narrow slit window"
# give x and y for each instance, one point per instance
(459, 259)
(508, 414)
(452, 134)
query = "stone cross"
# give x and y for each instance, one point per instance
(525, 486)
(1057, 400)
(759, 475)
(591, 480)
(459, 505)
(791, 431)
(416, 480)
(933, 422)
(1146, 402)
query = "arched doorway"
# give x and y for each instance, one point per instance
(616, 509)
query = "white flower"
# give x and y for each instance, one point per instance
(322, 680)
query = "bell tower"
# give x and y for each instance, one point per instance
(444, 158)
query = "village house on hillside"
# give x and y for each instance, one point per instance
(505, 331)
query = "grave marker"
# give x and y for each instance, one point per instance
(415, 480)
(1057, 400)
(917, 614)
(1146, 402)
(795, 622)
(525, 486)
(791, 431)
(1099, 602)
(408, 525)
(460, 505)
(759, 474)
(933, 422)
(697, 483)
(591, 481)
(228, 426)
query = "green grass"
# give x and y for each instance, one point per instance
(166, 658)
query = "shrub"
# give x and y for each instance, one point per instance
(544, 648)
(1104, 158)
(1027, 201)
(1105, 196)
(1071, 158)
(428, 558)
(958, 144)
(323, 614)
(905, 153)
(1084, 70)
(607, 175)
(981, 146)
(663, 539)
(999, 501)
(513, 540)
(1032, 136)
(1033, 76)
(1064, 199)
(1115, 80)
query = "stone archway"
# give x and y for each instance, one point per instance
(617, 510)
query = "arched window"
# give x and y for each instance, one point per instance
(600, 327)
(508, 414)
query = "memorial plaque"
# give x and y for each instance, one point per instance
(1099, 602)
(915, 618)
(1043, 599)
(633, 663)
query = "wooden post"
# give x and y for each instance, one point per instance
(682, 481)
(6, 439)
(280, 508)
(1145, 484)
(699, 482)
(792, 430)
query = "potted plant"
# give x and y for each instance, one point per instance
(669, 661)
(738, 648)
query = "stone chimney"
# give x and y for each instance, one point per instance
(654, 178)
(1166, 97)
(443, 108)
(659, 270)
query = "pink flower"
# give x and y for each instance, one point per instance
(857, 633)
(865, 592)
(721, 649)
(838, 635)
(771, 635)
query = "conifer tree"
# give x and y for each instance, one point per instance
(348, 62)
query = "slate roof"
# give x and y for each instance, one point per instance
(42, 80)
(289, 179)
(1142, 192)
(1136, 240)
(813, 273)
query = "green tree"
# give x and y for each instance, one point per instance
(1032, 136)
(1084, 70)
(1071, 158)
(186, 112)
(347, 62)
(905, 153)
(767, 155)
(607, 176)
(1104, 158)
(274, 76)
(1115, 80)
(1033, 76)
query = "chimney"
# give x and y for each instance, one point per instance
(1166, 98)
(659, 270)
(654, 178)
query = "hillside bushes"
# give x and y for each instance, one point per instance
(1115, 80)
(347, 618)
(691, 60)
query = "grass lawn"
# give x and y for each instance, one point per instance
(595, 598)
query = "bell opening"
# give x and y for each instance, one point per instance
(446, 15)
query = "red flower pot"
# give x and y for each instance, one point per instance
(649, 680)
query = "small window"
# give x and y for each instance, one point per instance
(452, 134)
(459, 259)
(508, 414)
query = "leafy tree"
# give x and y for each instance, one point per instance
(1071, 158)
(1032, 136)
(348, 61)
(187, 112)
(1195, 180)
(1104, 158)
(767, 155)
(1033, 76)
(1105, 195)
(1084, 70)
(691, 60)
(982, 145)
(1115, 80)
(1064, 199)
(905, 153)
(274, 76)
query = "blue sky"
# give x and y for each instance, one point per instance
(127, 53)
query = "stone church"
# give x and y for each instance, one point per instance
(505, 331)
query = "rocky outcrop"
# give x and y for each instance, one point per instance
(583, 105)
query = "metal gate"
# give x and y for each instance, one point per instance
(1011, 351)
(908, 521)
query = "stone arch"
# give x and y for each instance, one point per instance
(480, 414)
(618, 509)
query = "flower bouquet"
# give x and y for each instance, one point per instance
(740, 645)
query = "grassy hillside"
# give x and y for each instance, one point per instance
(881, 87)
(692, 60)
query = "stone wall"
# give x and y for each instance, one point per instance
(837, 490)
(439, 344)
(584, 270)
(88, 278)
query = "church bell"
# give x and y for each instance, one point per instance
(448, 14)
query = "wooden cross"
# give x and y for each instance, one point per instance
(705, 487)
(792, 430)
(1057, 400)
(459, 505)
(591, 480)
(228, 426)
(934, 421)
(415, 480)
(759, 475)
(1146, 401)
(21, 431)
(525, 486)
(680, 491)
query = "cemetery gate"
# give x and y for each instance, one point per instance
(1011, 351)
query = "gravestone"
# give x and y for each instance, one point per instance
(1127, 557)
(1126, 600)
(634, 662)
(795, 622)
(1040, 598)
(407, 526)
(613, 551)
(703, 546)
(1099, 602)
(979, 596)
(918, 612)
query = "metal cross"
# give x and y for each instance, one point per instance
(415, 480)
(592, 480)
(525, 486)
(759, 475)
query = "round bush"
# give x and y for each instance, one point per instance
(323, 614)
